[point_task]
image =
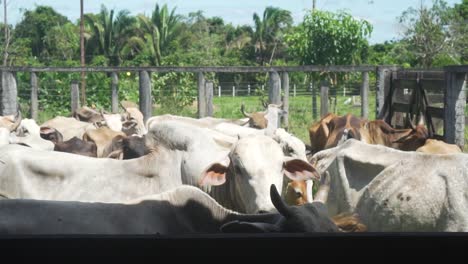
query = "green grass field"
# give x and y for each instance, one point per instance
(300, 110)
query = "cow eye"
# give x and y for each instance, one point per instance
(298, 194)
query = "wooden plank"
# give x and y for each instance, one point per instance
(365, 95)
(114, 92)
(314, 100)
(235, 69)
(454, 104)
(145, 100)
(34, 99)
(8, 94)
(274, 83)
(209, 98)
(201, 103)
(75, 96)
(324, 98)
(285, 85)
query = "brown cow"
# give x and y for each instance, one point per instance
(52, 134)
(332, 129)
(126, 147)
(380, 133)
(434, 146)
(256, 119)
(77, 146)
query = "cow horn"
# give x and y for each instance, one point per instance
(421, 121)
(324, 188)
(278, 105)
(279, 204)
(120, 103)
(265, 112)
(18, 117)
(265, 105)
(245, 113)
(410, 123)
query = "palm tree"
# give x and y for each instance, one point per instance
(160, 31)
(109, 35)
(269, 30)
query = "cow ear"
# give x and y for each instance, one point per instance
(298, 170)
(215, 174)
(248, 227)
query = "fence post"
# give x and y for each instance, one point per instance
(323, 98)
(274, 95)
(201, 95)
(34, 90)
(248, 90)
(314, 101)
(114, 92)
(454, 104)
(344, 91)
(145, 99)
(9, 94)
(219, 91)
(75, 96)
(294, 93)
(209, 98)
(383, 87)
(365, 95)
(285, 85)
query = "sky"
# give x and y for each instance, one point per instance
(381, 13)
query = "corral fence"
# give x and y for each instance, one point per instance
(396, 91)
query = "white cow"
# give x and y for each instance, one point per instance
(183, 155)
(69, 127)
(393, 190)
(28, 133)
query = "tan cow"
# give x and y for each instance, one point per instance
(435, 146)
(102, 137)
(69, 127)
(11, 122)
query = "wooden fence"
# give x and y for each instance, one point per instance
(454, 96)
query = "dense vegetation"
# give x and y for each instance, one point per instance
(434, 36)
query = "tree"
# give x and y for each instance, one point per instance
(64, 41)
(109, 35)
(460, 30)
(160, 31)
(269, 31)
(327, 38)
(426, 31)
(35, 25)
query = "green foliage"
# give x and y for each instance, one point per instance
(427, 33)
(35, 26)
(327, 38)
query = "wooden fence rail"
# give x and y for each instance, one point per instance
(454, 90)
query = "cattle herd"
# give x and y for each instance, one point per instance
(112, 173)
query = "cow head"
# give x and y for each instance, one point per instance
(343, 128)
(52, 134)
(112, 121)
(11, 122)
(311, 217)
(415, 139)
(253, 164)
(256, 119)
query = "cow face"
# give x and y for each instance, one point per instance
(256, 119)
(416, 138)
(254, 164)
(343, 128)
(51, 134)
